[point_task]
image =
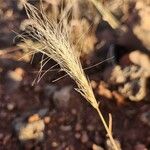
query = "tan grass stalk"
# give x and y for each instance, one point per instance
(107, 15)
(55, 42)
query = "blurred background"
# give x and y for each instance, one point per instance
(39, 108)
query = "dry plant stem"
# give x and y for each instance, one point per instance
(54, 41)
(107, 129)
(107, 15)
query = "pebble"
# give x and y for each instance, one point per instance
(96, 147)
(119, 98)
(47, 119)
(78, 127)
(77, 135)
(13, 79)
(140, 59)
(117, 75)
(90, 127)
(16, 75)
(84, 137)
(65, 128)
(33, 118)
(140, 147)
(10, 106)
(30, 126)
(61, 98)
(74, 111)
(93, 84)
(130, 81)
(104, 91)
(49, 132)
(54, 144)
(31, 131)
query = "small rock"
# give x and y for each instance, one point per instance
(16, 75)
(47, 119)
(90, 127)
(33, 118)
(31, 131)
(104, 91)
(10, 106)
(77, 135)
(78, 127)
(30, 126)
(49, 132)
(84, 137)
(130, 81)
(65, 128)
(55, 144)
(140, 59)
(13, 79)
(117, 75)
(119, 98)
(61, 98)
(93, 84)
(140, 147)
(74, 111)
(96, 147)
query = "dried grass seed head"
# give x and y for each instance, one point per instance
(54, 40)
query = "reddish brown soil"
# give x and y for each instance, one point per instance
(128, 128)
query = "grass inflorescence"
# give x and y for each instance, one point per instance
(54, 43)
